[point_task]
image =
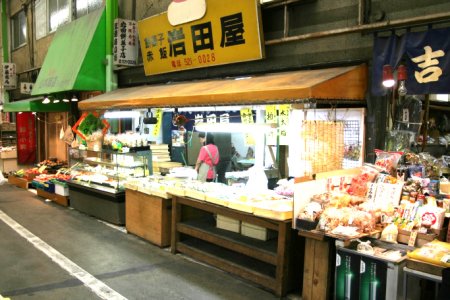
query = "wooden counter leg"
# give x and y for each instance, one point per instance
(283, 258)
(176, 218)
(316, 275)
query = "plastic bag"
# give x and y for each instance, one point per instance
(257, 179)
(364, 247)
(68, 135)
(61, 133)
(390, 233)
(2, 178)
(388, 161)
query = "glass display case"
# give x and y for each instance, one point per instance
(108, 170)
(98, 177)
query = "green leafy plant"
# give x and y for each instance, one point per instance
(90, 125)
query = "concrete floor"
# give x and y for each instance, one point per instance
(132, 267)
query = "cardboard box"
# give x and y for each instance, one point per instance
(8, 154)
(8, 126)
(257, 232)
(422, 238)
(229, 224)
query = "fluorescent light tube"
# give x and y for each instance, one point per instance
(233, 127)
(121, 114)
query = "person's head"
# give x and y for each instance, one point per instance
(206, 138)
(202, 137)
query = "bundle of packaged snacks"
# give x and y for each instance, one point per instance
(435, 252)
(359, 184)
(387, 161)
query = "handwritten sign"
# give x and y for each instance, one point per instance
(158, 116)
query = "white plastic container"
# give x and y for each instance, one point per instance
(61, 190)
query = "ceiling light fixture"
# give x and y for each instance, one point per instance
(74, 98)
(65, 100)
(46, 100)
(56, 101)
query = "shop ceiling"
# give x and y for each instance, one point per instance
(35, 105)
(349, 83)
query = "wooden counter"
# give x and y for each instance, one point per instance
(270, 263)
(58, 199)
(19, 182)
(148, 217)
(319, 266)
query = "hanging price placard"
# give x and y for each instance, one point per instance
(271, 114)
(247, 118)
(283, 122)
(158, 116)
(246, 115)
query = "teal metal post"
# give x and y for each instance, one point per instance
(111, 15)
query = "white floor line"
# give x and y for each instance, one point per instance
(116, 227)
(97, 286)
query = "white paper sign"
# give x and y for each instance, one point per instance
(26, 87)
(125, 47)
(387, 194)
(9, 76)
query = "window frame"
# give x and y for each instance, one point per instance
(75, 10)
(73, 15)
(71, 18)
(15, 46)
(45, 2)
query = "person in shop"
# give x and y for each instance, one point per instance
(208, 158)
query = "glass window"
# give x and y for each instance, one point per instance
(59, 13)
(84, 7)
(19, 29)
(40, 21)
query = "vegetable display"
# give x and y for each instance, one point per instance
(90, 125)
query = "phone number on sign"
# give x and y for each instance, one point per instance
(200, 59)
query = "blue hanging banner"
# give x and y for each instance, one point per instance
(428, 62)
(386, 51)
(427, 56)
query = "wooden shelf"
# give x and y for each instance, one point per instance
(205, 230)
(231, 262)
(269, 263)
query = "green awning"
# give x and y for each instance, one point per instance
(35, 105)
(74, 61)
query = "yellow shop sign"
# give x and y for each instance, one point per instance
(229, 32)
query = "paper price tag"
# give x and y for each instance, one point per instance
(42, 168)
(445, 259)
(412, 239)
(246, 115)
(284, 110)
(157, 127)
(271, 114)
(405, 115)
